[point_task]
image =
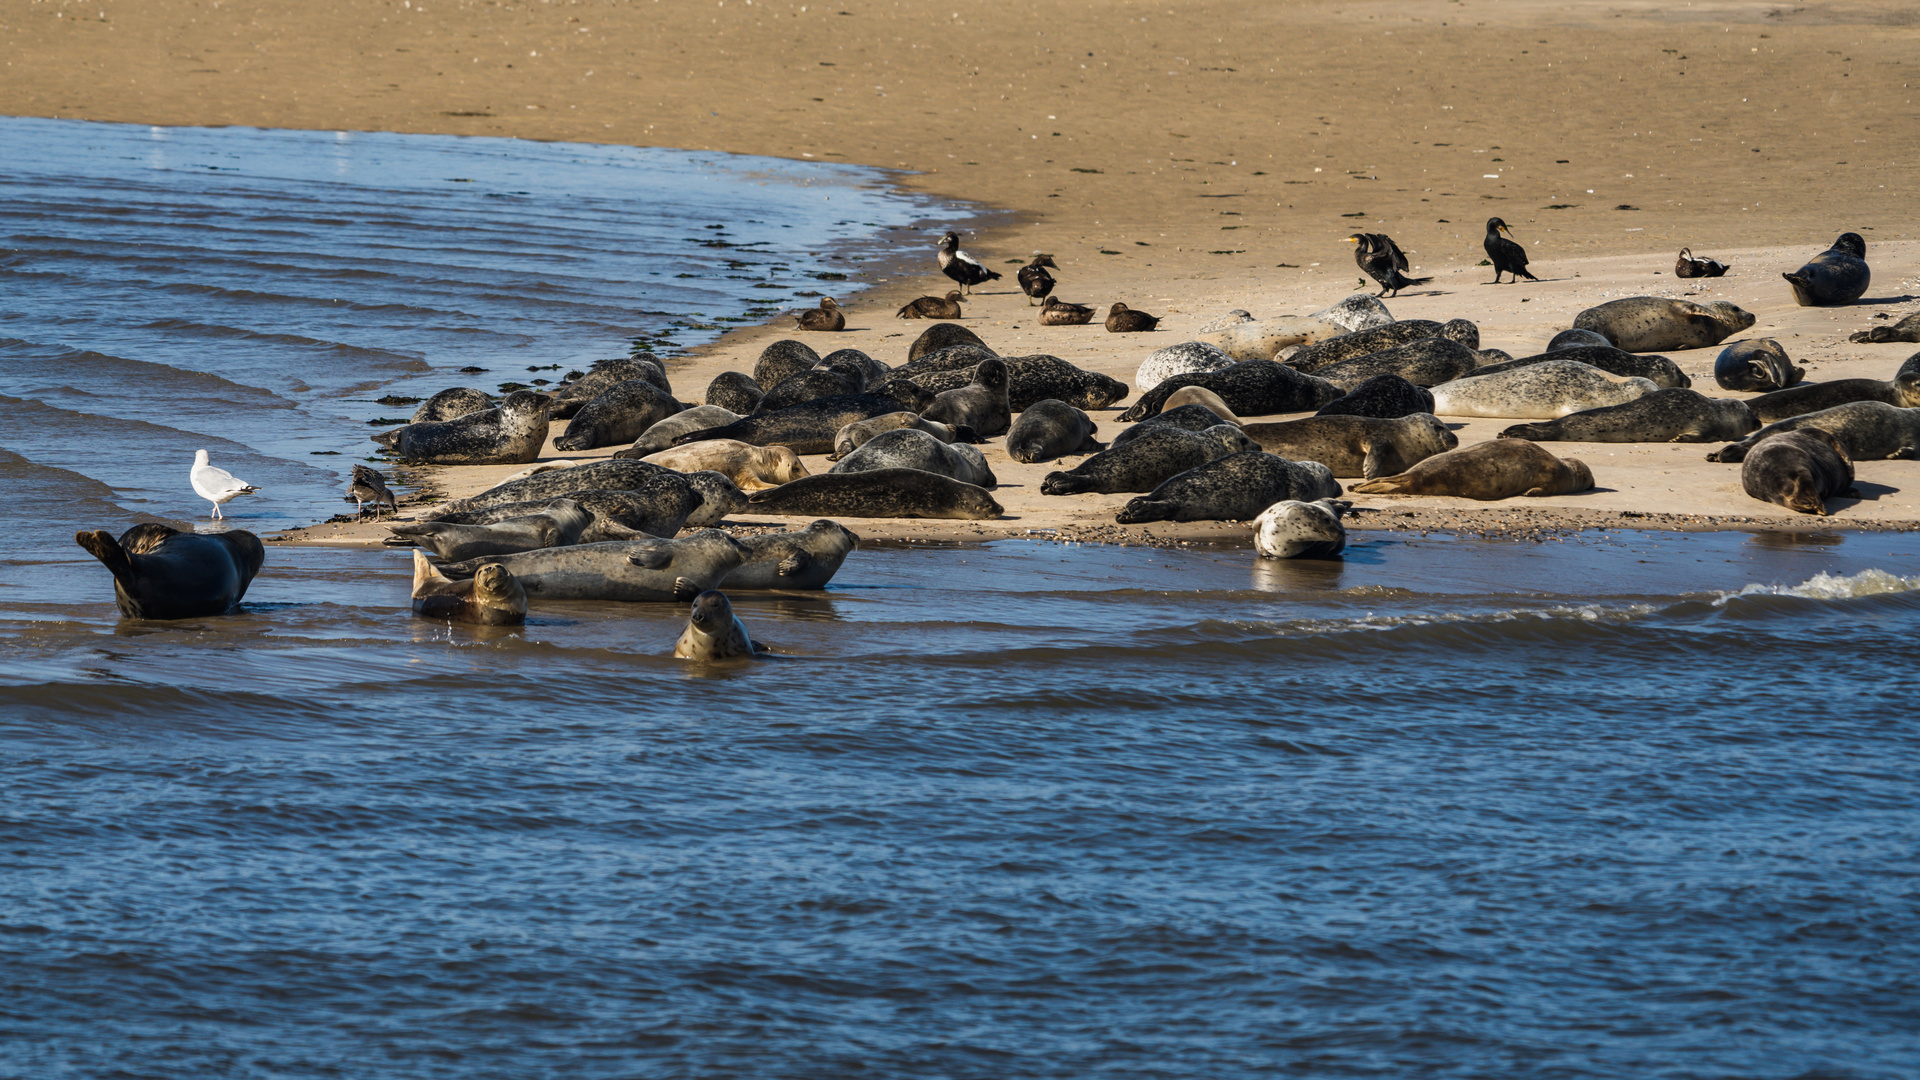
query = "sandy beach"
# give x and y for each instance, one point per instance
(1185, 160)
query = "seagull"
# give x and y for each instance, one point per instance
(369, 486)
(216, 485)
(961, 266)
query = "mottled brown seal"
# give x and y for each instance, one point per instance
(1487, 471)
(1674, 414)
(491, 597)
(1234, 488)
(885, 493)
(1869, 430)
(1657, 323)
(512, 433)
(1357, 445)
(798, 559)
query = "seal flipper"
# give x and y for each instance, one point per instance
(685, 590)
(652, 559)
(1383, 459)
(1732, 453)
(794, 564)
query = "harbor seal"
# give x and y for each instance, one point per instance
(1488, 471)
(1249, 388)
(809, 386)
(1568, 339)
(1759, 364)
(1426, 362)
(736, 392)
(512, 433)
(620, 414)
(810, 428)
(558, 483)
(1387, 397)
(960, 357)
(1037, 378)
(1311, 358)
(1836, 276)
(1903, 390)
(1203, 397)
(905, 448)
(1263, 340)
(719, 496)
(661, 435)
(1357, 445)
(160, 572)
(1232, 318)
(573, 396)
(1673, 414)
(1907, 329)
(714, 632)
(982, 404)
(1293, 530)
(782, 359)
(872, 371)
(491, 597)
(941, 336)
(1800, 470)
(1185, 417)
(883, 493)
(1187, 356)
(1657, 324)
(856, 434)
(1868, 430)
(751, 467)
(799, 559)
(1540, 391)
(451, 403)
(559, 524)
(1657, 370)
(1358, 311)
(656, 509)
(1144, 462)
(1051, 429)
(1233, 488)
(628, 571)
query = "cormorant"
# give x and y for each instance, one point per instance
(1382, 260)
(1507, 257)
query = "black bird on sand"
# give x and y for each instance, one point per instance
(1507, 257)
(1689, 265)
(961, 266)
(1034, 279)
(1382, 260)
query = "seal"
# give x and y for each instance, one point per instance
(905, 448)
(491, 597)
(1295, 529)
(800, 559)
(1674, 414)
(571, 397)
(810, 428)
(1656, 323)
(782, 359)
(827, 316)
(599, 475)
(1231, 318)
(751, 467)
(160, 572)
(1265, 338)
(1836, 276)
(982, 404)
(1357, 445)
(1868, 430)
(629, 571)
(1427, 362)
(1800, 470)
(809, 386)
(1350, 346)
(734, 391)
(847, 361)
(1122, 319)
(1386, 397)
(1233, 488)
(714, 632)
(1488, 471)
(511, 434)
(1057, 312)
(963, 268)
(932, 307)
(885, 493)
(1203, 397)
(661, 435)
(1051, 429)
(1756, 365)
(1191, 417)
(560, 524)
(1506, 256)
(1903, 390)
(620, 414)
(660, 508)
(1188, 356)
(1907, 329)
(1382, 260)
(942, 336)
(854, 435)
(1038, 377)
(1567, 339)
(1687, 266)
(1249, 388)
(1539, 391)
(719, 496)
(1034, 279)
(960, 357)
(450, 403)
(1657, 370)
(1358, 311)
(1147, 460)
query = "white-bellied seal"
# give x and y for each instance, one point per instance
(852, 436)
(963, 268)
(369, 485)
(1190, 417)
(751, 467)
(1122, 319)
(1506, 256)
(661, 434)
(1387, 397)
(559, 524)
(1537, 391)
(1869, 430)
(1187, 356)
(1426, 362)
(450, 403)
(932, 307)
(1907, 329)
(1673, 414)
(1838, 275)
(714, 632)
(905, 448)
(1294, 530)
(491, 597)
(1051, 429)
(809, 428)
(1903, 390)
(1145, 461)
(1057, 312)
(569, 398)
(631, 571)
(1356, 311)
(1488, 471)
(1657, 370)
(883, 493)
(719, 496)
(619, 414)
(1574, 338)
(513, 433)
(982, 404)
(827, 317)
(1313, 357)
(1037, 378)
(1799, 469)
(1657, 323)
(1758, 364)
(1203, 397)
(598, 475)
(800, 559)
(734, 391)
(935, 338)
(1034, 279)
(214, 484)
(810, 386)
(1357, 445)
(781, 359)
(1382, 260)
(160, 572)
(1233, 488)
(1249, 388)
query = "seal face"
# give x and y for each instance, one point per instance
(1181, 359)
(1249, 388)
(1488, 471)
(1838, 275)
(1233, 488)
(800, 559)
(511, 434)
(905, 448)
(1903, 390)
(1673, 414)
(1757, 365)
(1357, 445)
(1292, 529)
(619, 414)
(450, 403)
(1145, 461)
(1539, 391)
(1051, 429)
(160, 572)
(982, 404)
(1657, 323)
(888, 493)
(714, 632)
(1799, 470)
(1867, 430)
(491, 597)
(1383, 396)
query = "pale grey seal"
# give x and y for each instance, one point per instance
(714, 632)
(884, 493)
(1537, 391)
(491, 597)
(1487, 471)
(513, 433)
(1800, 470)
(800, 559)
(661, 435)
(1656, 323)
(1658, 370)
(1293, 529)
(1869, 430)
(1838, 275)
(1758, 364)
(1357, 445)
(1673, 414)
(1180, 359)
(634, 571)
(1051, 429)
(905, 448)
(1358, 311)
(160, 572)
(1145, 461)
(1234, 488)
(559, 524)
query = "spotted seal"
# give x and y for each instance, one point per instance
(1488, 471)
(1144, 462)
(560, 523)
(734, 391)
(1836, 276)
(1357, 445)
(1907, 329)
(719, 496)
(1902, 390)
(1567, 339)
(630, 571)
(1263, 339)
(1358, 311)
(1249, 388)
(1232, 318)
(940, 336)
(1759, 364)
(1350, 346)
(1187, 356)
(798, 559)
(491, 597)
(1868, 430)
(1233, 488)
(714, 632)
(661, 435)
(961, 357)
(883, 493)
(854, 435)
(619, 414)
(557, 483)
(573, 396)
(512, 433)
(905, 448)
(1039, 377)
(1537, 391)
(1673, 414)
(982, 404)
(808, 386)
(1426, 362)
(872, 370)
(1658, 370)
(810, 428)
(1799, 470)
(1051, 429)
(781, 359)
(1191, 417)
(751, 467)
(1386, 397)
(160, 572)
(451, 403)
(658, 508)
(1657, 323)
(1293, 529)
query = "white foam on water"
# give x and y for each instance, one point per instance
(1825, 586)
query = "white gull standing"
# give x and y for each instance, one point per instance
(217, 485)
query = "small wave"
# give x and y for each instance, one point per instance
(1825, 586)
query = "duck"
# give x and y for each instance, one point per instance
(932, 307)
(1034, 279)
(962, 267)
(1507, 257)
(826, 317)
(1057, 312)
(1382, 260)
(1687, 265)
(1122, 319)
(369, 486)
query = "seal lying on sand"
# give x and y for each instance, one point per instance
(1186, 417)
(1234, 488)
(1357, 445)
(935, 338)
(1249, 388)
(659, 507)
(1039, 377)
(810, 428)
(1385, 397)
(511, 434)
(1903, 390)
(1656, 324)
(736, 392)
(160, 572)
(854, 435)
(598, 475)
(448, 404)
(801, 559)
(1907, 329)
(1838, 275)
(1187, 356)
(1295, 529)
(781, 360)
(1657, 370)
(751, 467)
(982, 404)
(1311, 358)
(1144, 462)
(1670, 415)
(661, 435)
(570, 398)
(1757, 365)
(619, 414)
(1800, 470)
(1051, 429)
(623, 570)
(905, 448)
(1868, 430)
(491, 597)
(1537, 391)
(714, 632)
(883, 493)
(1427, 362)
(561, 523)
(1487, 471)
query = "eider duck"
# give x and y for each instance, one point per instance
(1507, 257)
(826, 317)
(961, 266)
(932, 307)
(1382, 260)
(1122, 319)
(369, 486)
(1689, 266)
(1034, 279)
(1057, 312)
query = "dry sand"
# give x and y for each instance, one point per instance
(1185, 158)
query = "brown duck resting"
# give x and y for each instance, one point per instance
(826, 317)
(1122, 319)
(932, 307)
(1057, 312)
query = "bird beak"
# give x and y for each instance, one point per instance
(1508, 229)
(1350, 240)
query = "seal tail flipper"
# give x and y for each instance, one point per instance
(1386, 485)
(1383, 459)
(1065, 483)
(425, 573)
(1534, 432)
